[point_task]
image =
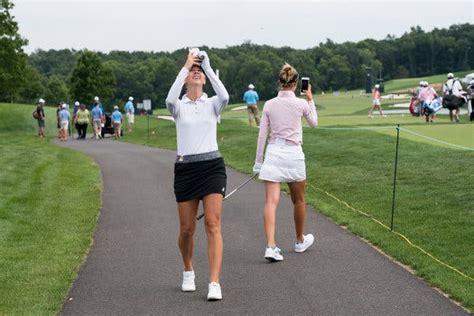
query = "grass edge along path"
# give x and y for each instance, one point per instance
(239, 148)
(49, 207)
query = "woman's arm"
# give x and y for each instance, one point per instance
(221, 92)
(262, 135)
(309, 112)
(175, 91)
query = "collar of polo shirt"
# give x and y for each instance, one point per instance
(185, 98)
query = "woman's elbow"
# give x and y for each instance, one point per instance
(225, 98)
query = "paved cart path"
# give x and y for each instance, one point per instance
(134, 266)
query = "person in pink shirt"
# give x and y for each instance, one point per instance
(431, 102)
(376, 102)
(284, 158)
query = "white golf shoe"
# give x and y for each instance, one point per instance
(273, 254)
(215, 292)
(188, 282)
(307, 242)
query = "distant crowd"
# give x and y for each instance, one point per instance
(426, 101)
(81, 117)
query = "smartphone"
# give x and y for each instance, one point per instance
(304, 84)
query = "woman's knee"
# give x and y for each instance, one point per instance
(213, 226)
(186, 232)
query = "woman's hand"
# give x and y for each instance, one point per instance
(192, 60)
(205, 63)
(309, 94)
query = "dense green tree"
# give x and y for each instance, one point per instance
(34, 87)
(56, 90)
(90, 77)
(12, 58)
(330, 65)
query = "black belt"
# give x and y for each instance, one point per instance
(198, 157)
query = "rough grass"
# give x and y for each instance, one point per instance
(49, 204)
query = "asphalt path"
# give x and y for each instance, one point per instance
(134, 266)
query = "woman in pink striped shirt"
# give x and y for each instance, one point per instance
(284, 158)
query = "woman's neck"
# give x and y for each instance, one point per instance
(194, 92)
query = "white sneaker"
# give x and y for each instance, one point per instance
(307, 241)
(215, 292)
(188, 282)
(273, 254)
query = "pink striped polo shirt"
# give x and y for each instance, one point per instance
(281, 117)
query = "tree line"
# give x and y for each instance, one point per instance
(68, 75)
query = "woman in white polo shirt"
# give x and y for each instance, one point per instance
(199, 168)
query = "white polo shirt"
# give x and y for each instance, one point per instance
(196, 121)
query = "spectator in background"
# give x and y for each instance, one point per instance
(58, 124)
(64, 118)
(97, 102)
(130, 112)
(97, 120)
(376, 101)
(82, 121)
(117, 121)
(76, 108)
(452, 97)
(251, 98)
(431, 103)
(40, 117)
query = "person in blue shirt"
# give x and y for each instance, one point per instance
(97, 120)
(251, 98)
(130, 112)
(64, 118)
(97, 102)
(117, 121)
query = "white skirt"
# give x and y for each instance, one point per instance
(283, 163)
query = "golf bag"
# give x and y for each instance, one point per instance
(415, 107)
(432, 107)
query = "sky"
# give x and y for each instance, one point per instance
(158, 25)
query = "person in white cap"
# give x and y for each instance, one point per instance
(130, 112)
(376, 102)
(430, 101)
(251, 98)
(98, 103)
(39, 115)
(117, 121)
(452, 97)
(74, 113)
(64, 118)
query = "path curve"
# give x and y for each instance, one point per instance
(134, 266)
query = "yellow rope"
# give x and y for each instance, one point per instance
(396, 233)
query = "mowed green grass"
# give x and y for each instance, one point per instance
(434, 201)
(49, 205)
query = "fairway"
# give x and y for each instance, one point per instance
(350, 165)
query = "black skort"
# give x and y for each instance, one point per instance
(195, 180)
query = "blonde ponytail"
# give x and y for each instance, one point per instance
(288, 75)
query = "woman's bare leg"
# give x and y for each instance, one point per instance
(297, 197)
(187, 226)
(212, 209)
(272, 197)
